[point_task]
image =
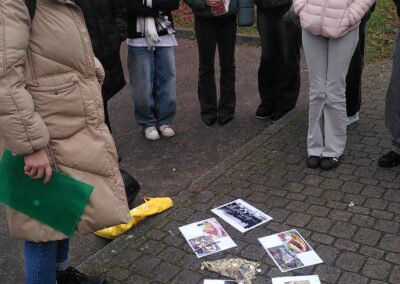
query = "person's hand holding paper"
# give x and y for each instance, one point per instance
(36, 164)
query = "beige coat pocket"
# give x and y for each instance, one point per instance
(61, 108)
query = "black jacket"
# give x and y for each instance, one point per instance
(135, 8)
(106, 23)
(265, 4)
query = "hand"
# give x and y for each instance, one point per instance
(214, 3)
(38, 164)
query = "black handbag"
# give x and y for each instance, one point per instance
(132, 187)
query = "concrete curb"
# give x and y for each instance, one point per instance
(240, 38)
(121, 242)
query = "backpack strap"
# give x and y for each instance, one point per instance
(31, 4)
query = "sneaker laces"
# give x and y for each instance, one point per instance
(72, 274)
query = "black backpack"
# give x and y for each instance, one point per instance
(132, 187)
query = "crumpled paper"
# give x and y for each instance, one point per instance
(239, 269)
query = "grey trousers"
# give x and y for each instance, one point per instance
(392, 107)
(328, 61)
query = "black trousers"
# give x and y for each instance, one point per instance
(279, 71)
(353, 79)
(210, 33)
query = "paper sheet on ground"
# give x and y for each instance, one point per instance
(309, 279)
(241, 215)
(289, 250)
(207, 237)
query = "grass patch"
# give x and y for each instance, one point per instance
(380, 35)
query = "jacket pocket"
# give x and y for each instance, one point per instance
(61, 108)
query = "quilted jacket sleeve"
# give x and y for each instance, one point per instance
(358, 9)
(298, 5)
(21, 127)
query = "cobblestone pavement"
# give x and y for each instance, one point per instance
(349, 215)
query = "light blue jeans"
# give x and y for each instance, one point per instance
(392, 108)
(42, 260)
(152, 78)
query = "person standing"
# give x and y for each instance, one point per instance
(392, 107)
(330, 36)
(215, 26)
(151, 64)
(51, 114)
(279, 71)
(106, 23)
(353, 78)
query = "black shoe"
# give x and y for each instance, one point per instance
(278, 114)
(73, 276)
(261, 113)
(222, 120)
(389, 160)
(209, 120)
(313, 162)
(329, 163)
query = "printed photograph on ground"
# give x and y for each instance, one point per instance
(206, 237)
(289, 250)
(241, 215)
(309, 279)
(210, 281)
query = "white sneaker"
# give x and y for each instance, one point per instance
(166, 130)
(352, 119)
(151, 133)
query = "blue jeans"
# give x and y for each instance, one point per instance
(392, 108)
(152, 78)
(43, 259)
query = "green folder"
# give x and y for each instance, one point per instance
(58, 204)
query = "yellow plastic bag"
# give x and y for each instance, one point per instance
(151, 206)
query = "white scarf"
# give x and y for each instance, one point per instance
(147, 27)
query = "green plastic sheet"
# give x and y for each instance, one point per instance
(58, 204)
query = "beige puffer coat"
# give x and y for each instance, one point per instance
(331, 18)
(50, 97)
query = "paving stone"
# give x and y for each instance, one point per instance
(367, 236)
(346, 245)
(134, 279)
(171, 254)
(359, 210)
(316, 210)
(350, 261)
(187, 276)
(352, 278)
(327, 273)
(363, 221)
(322, 238)
(392, 195)
(298, 206)
(165, 272)
(387, 226)
(336, 205)
(372, 252)
(395, 275)
(257, 179)
(253, 252)
(338, 215)
(126, 258)
(343, 230)
(352, 187)
(279, 214)
(373, 191)
(390, 242)
(295, 187)
(376, 269)
(375, 203)
(394, 207)
(333, 195)
(312, 180)
(320, 224)
(330, 183)
(152, 247)
(298, 219)
(145, 265)
(382, 214)
(327, 253)
(393, 257)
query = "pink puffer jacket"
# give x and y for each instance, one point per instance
(331, 18)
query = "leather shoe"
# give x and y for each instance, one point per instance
(209, 120)
(222, 120)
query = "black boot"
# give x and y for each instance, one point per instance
(73, 276)
(389, 160)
